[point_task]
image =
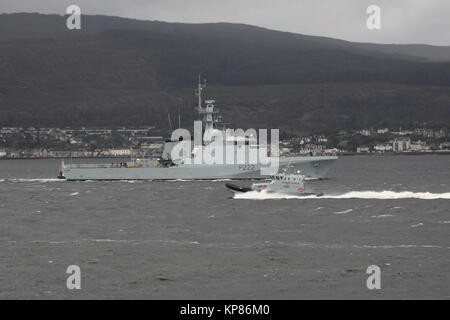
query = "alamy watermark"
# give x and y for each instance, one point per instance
(73, 282)
(73, 22)
(249, 149)
(374, 280)
(374, 20)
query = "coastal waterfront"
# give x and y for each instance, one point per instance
(177, 239)
(32, 143)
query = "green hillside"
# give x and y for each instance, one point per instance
(118, 71)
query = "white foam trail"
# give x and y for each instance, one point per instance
(32, 180)
(417, 225)
(383, 216)
(382, 195)
(345, 211)
(392, 195)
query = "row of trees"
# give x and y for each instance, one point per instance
(22, 140)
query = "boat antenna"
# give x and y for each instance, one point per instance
(179, 117)
(170, 121)
(199, 91)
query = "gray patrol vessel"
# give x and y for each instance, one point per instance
(183, 166)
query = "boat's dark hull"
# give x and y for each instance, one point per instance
(236, 188)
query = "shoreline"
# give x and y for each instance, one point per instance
(413, 153)
(59, 158)
(339, 154)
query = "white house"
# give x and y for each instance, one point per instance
(384, 130)
(365, 132)
(363, 149)
(383, 147)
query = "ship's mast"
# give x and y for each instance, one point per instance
(199, 92)
(208, 113)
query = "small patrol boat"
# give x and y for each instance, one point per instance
(283, 183)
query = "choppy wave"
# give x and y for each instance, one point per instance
(382, 195)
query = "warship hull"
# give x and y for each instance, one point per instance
(311, 167)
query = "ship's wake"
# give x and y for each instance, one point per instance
(382, 195)
(32, 180)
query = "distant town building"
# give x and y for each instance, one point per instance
(383, 147)
(363, 149)
(365, 132)
(382, 131)
(440, 134)
(402, 132)
(419, 146)
(401, 145)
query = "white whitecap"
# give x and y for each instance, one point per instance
(381, 195)
(344, 211)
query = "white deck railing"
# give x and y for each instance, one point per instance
(90, 166)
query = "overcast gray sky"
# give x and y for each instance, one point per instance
(403, 21)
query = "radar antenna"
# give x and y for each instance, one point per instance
(199, 91)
